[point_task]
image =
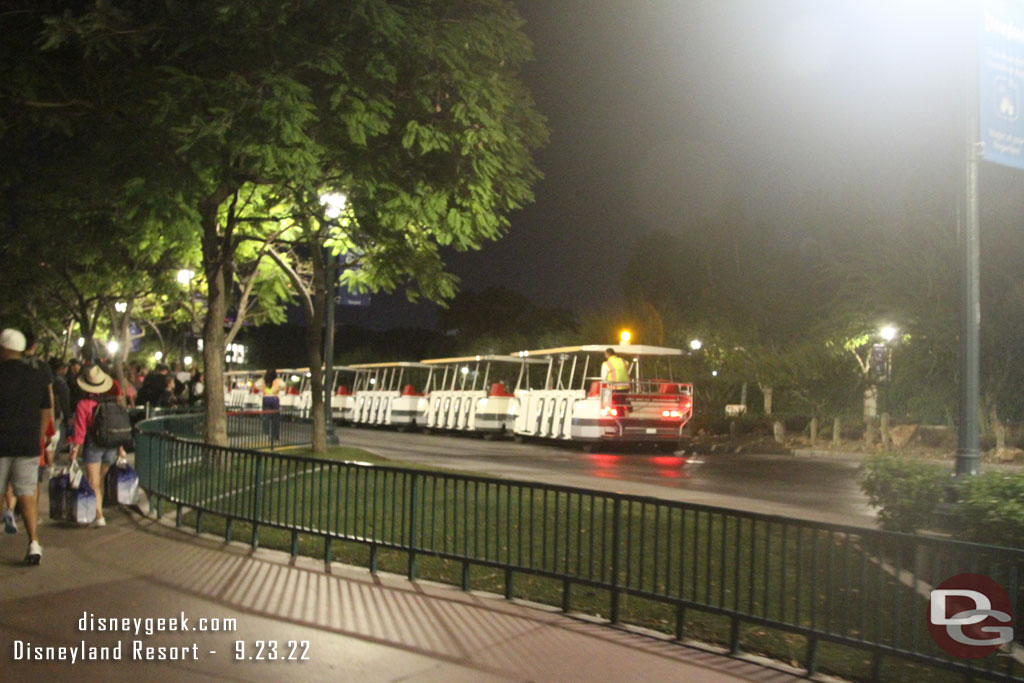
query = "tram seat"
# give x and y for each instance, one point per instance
(293, 391)
(595, 389)
(344, 391)
(410, 390)
(498, 389)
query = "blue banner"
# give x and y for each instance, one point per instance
(1001, 82)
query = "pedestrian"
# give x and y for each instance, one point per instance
(168, 398)
(97, 459)
(25, 410)
(30, 357)
(615, 371)
(270, 387)
(153, 386)
(62, 414)
(195, 387)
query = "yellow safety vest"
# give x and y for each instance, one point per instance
(617, 373)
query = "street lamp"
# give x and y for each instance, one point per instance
(625, 336)
(158, 356)
(695, 344)
(888, 333)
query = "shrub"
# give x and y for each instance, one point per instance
(905, 490)
(991, 509)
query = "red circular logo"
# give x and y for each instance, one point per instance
(970, 616)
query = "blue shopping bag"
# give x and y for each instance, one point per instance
(121, 486)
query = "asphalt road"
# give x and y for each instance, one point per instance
(822, 489)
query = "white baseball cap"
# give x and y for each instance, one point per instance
(12, 340)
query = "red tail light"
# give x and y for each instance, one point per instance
(608, 411)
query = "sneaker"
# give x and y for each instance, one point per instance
(9, 524)
(35, 552)
(99, 522)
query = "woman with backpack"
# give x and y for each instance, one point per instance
(99, 431)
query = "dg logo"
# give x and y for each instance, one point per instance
(970, 616)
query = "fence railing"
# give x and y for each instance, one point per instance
(250, 429)
(855, 587)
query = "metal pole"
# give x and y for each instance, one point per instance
(331, 263)
(968, 457)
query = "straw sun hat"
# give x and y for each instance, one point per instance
(95, 381)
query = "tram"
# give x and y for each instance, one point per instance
(473, 394)
(554, 394)
(390, 394)
(568, 401)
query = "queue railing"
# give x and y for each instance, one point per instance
(830, 584)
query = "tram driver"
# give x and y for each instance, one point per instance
(615, 373)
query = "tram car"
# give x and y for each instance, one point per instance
(342, 400)
(472, 394)
(240, 390)
(389, 394)
(568, 401)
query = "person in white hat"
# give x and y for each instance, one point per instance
(24, 413)
(97, 459)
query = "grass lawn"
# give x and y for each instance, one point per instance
(804, 576)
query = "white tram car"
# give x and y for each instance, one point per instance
(472, 394)
(388, 393)
(572, 403)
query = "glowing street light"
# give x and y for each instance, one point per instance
(888, 333)
(334, 203)
(695, 344)
(625, 336)
(158, 356)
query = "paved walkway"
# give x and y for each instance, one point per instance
(359, 627)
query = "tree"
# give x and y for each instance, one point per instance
(413, 109)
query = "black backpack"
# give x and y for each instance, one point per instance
(111, 425)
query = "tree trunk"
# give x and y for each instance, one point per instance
(218, 281)
(779, 432)
(870, 402)
(314, 350)
(837, 431)
(814, 430)
(884, 432)
(767, 391)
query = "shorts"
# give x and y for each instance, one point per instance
(21, 473)
(94, 454)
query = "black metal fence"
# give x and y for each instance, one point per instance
(860, 588)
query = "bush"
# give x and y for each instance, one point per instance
(991, 509)
(906, 490)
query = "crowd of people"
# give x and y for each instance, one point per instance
(47, 408)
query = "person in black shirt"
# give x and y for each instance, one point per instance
(153, 387)
(62, 414)
(24, 413)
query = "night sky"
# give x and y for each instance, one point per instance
(802, 117)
